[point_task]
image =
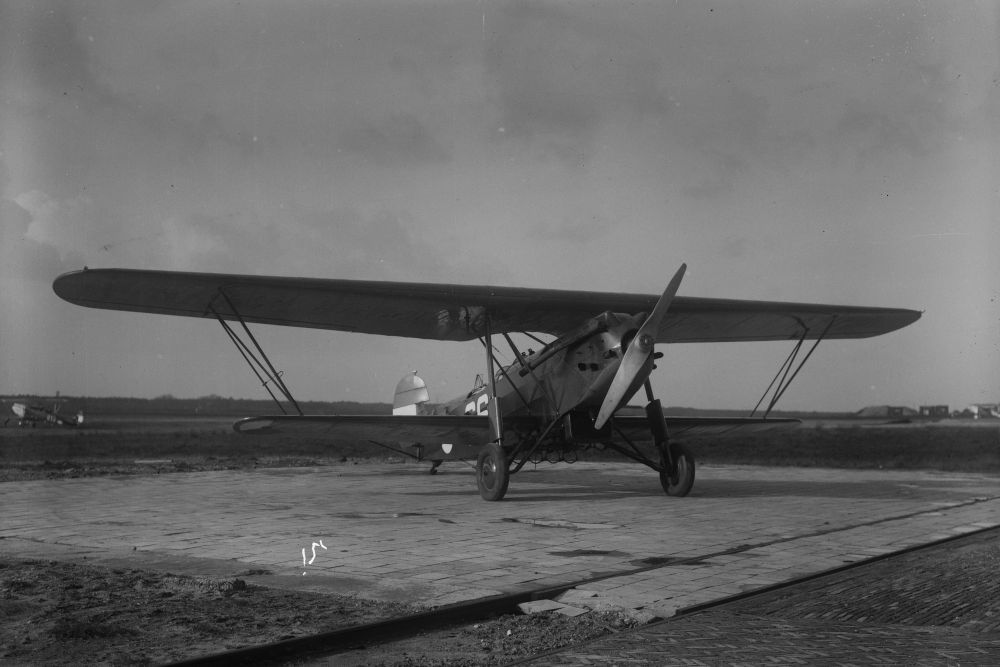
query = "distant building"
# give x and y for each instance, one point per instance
(934, 411)
(886, 411)
(985, 410)
(979, 411)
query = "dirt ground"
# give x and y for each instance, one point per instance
(62, 613)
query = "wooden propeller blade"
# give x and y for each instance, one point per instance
(638, 360)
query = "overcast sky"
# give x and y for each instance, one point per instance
(830, 152)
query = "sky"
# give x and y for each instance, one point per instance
(828, 152)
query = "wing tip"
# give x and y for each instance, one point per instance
(903, 318)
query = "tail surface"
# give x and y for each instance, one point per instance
(411, 394)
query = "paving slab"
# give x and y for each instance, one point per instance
(392, 532)
(938, 605)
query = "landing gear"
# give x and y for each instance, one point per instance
(492, 474)
(677, 476)
(676, 462)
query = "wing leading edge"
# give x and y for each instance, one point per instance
(456, 312)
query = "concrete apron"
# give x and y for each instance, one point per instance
(392, 532)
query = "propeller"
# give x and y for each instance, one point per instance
(638, 355)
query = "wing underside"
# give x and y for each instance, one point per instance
(461, 437)
(456, 312)
(637, 428)
(396, 428)
(422, 437)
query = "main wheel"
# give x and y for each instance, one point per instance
(677, 482)
(492, 475)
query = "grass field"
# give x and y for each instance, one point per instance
(161, 444)
(947, 445)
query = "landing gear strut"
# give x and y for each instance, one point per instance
(676, 461)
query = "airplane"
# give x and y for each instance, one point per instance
(570, 394)
(38, 414)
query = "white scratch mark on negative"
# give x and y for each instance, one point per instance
(314, 545)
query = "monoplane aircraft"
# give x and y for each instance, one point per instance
(569, 394)
(39, 414)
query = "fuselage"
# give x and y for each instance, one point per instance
(572, 373)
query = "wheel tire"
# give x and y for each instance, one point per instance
(680, 483)
(492, 474)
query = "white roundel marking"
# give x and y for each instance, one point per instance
(446, 448)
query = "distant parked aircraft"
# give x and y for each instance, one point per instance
(38, 414)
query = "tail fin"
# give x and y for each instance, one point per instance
(411, 392)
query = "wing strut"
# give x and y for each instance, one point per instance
(258, 361)
(786, 368)
(496, 419)
(525, 366)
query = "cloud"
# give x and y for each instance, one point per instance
(193, 243)
(716, 174)
(400, 140)
(573, 230)
(15, 220)
(295, 240)
(381, 245)
(43, 212)
(25, 255)
(557, 77)
(263, 77)
(62, 224)
(48, 53)
(871, 135)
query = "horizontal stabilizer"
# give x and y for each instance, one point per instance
(411, 394)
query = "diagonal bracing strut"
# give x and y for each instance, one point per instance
(785, 371)
(255, 357)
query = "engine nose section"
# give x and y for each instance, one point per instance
(598, 360)
(621, 333)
